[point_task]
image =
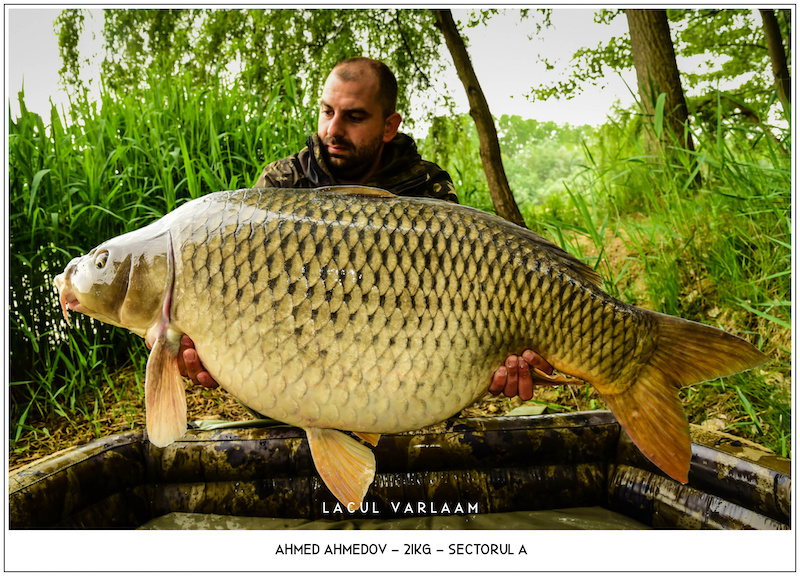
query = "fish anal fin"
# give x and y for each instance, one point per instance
(368, 438)
(651, 413)
(542, 378)
(359, 191)
(346, 466)
(165, 397)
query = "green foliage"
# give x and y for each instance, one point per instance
(70, 25)
(588, 66)
(718, 253)
(260, 46)
(453, 144)
(537, 157)
(730, 41)
(114, 166)
(733, 46)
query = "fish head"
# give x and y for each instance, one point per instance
(123, 282)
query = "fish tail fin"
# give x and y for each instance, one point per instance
(650, 410)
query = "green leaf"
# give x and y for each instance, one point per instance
(528, 410)
(34, 187)
(763, 314)
(658, 120)
(222, 424)
(748, 407)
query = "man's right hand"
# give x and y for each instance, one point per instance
(514, 377)
(189, 365)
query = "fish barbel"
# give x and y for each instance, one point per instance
(353, 309)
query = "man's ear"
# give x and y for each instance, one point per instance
(390, 126)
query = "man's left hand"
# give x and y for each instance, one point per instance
(514, 377)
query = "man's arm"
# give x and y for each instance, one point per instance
(285, 173)
(439, 184)
(269, 178)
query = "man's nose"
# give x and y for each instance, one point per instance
(336, 126)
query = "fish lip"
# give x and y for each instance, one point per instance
(66, 297)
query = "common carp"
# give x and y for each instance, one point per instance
(351, 309)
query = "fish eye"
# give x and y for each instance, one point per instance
(101, 259)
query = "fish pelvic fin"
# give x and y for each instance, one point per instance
(650, 410)
(346, 466)
(368, 438)
(165, 397)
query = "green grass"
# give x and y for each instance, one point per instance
(110, 167)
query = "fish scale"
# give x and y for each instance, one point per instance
(349, 299)
(359, 251)
(357, 310)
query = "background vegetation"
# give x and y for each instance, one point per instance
(703, 233)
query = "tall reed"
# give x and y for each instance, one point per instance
(704, 234)
(109, 167)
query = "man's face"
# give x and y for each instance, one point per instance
(352, 127)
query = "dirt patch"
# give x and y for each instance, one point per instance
(112, 414)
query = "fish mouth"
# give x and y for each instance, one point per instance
(66, 297)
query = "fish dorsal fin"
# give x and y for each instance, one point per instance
(564, 258)
(165, 398)
(368, 438)
(346, 466)
(352, 190)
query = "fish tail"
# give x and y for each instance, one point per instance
(650, 410)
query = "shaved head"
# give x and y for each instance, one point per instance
(354, 69)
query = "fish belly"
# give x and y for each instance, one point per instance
(377, 315)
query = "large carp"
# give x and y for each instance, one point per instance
(353, 309)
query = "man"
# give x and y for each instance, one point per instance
(357, 142)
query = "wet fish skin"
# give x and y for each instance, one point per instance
(343, 310)
(362, 330)
(396, 305)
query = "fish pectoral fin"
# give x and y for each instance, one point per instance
(368, 438)
(165, 397)
(540, 378)
(346, 466)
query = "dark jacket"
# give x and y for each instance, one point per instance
(402, 172)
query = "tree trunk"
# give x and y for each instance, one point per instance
(657, 71)
(777, 53)
(503, 199)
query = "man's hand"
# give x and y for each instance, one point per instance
(514, 377)
(189, 364)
